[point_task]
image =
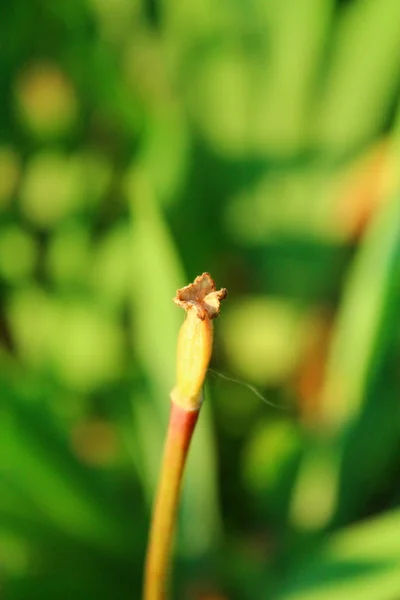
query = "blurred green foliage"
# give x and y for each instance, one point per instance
(141, 143)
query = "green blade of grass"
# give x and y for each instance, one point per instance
(363, 77)
(361, 318)
(157, 276)
(361, 337)
(35, 459)
(286, 76)
(361, 563)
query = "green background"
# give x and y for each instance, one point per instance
(143, 142)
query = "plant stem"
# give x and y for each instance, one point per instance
(201, 302)
(180, 430)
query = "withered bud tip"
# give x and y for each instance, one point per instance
(202, 296)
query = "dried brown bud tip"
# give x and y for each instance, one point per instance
(201, 295)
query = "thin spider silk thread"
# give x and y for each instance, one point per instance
(250, 387)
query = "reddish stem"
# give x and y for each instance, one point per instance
(180, 430)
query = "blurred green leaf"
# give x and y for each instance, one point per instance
(363, 78)
(361, 563)
(360, 341)
(37, 462)
(157, 275)
(362, 322)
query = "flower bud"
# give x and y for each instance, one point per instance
(194, 353)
